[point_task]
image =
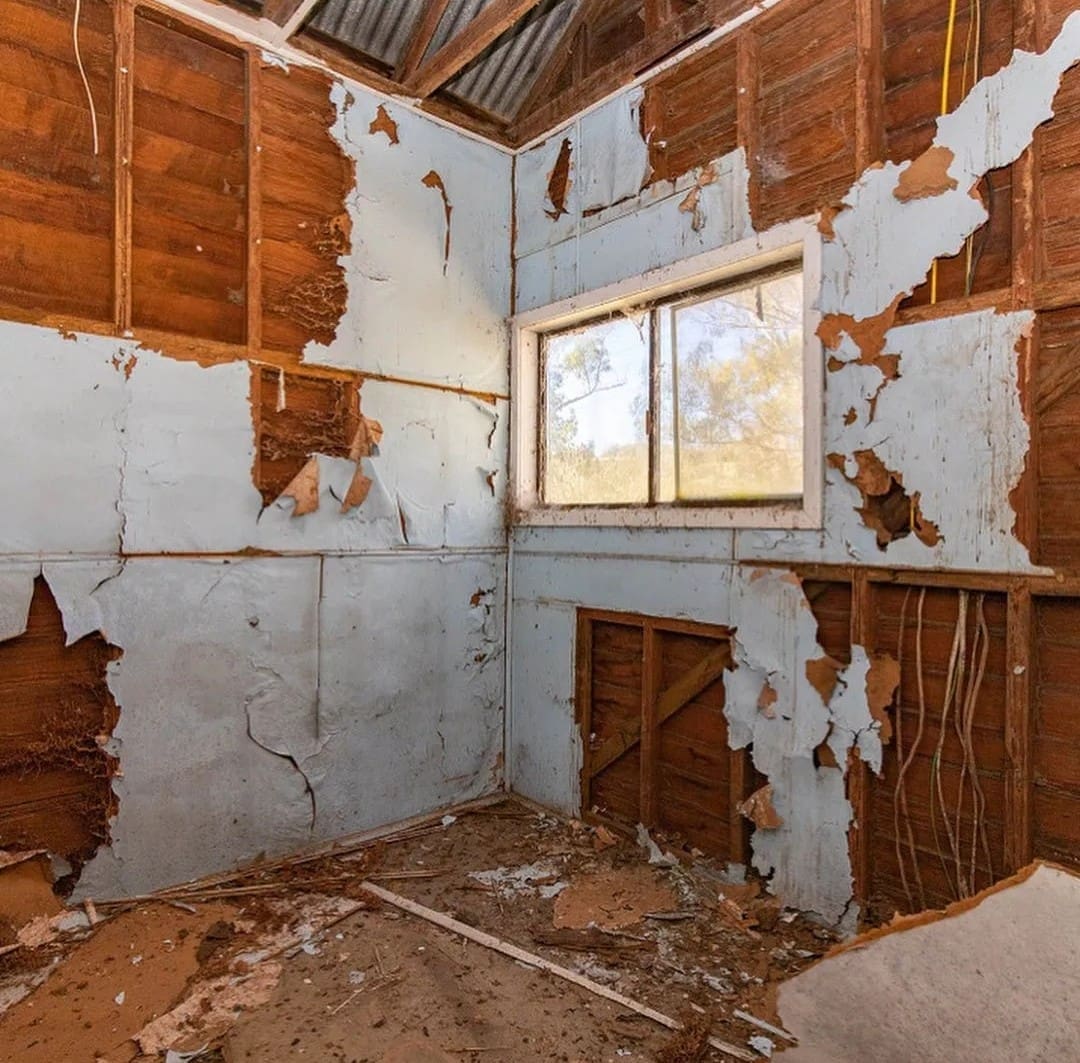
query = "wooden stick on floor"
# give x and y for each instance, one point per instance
(532, 960)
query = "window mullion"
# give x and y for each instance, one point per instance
(675, 428)
(653, 423)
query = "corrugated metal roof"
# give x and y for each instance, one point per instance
(497, 80)
(458, 14)
(378, 28)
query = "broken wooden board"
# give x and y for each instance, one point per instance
(994, 979)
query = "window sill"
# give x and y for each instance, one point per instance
(778, 515)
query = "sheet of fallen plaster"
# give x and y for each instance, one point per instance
(951, 424)
(995, 981)
(219, 663)
(411, 687)
(412, 311)
(59, 403)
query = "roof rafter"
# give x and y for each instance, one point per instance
(420, 39)
(492, 22)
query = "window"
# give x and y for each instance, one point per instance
(695, 400)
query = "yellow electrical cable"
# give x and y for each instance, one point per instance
(949, 34)
(969, 243)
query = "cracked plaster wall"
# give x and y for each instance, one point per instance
(353, 676)
(951, 424)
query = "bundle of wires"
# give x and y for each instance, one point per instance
(971, 69)
(959, 856)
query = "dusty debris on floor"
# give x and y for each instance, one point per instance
(299, 957)
(994, 978)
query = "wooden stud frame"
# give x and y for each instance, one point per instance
(657, 705)
(123, 125)
(253, 287)
(1021, 594)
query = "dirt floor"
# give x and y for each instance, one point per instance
(296, 960)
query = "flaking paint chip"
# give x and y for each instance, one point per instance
(758, 808)
(359, 487)
(304, 489)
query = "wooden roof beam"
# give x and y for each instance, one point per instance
(290, 15)
(492, 22)
(420, 39)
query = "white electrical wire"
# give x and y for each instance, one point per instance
(82, 74)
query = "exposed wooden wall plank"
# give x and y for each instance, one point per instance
(189, 183)
(933, 755)
(869, 85)
(858, 774)
(58, 211)
(650, 726)
(583, 655)
(253, 81)
(1018, 729)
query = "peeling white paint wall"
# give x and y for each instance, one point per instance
(354, 676)
(412, 312)
(951, 425)
(613, 228)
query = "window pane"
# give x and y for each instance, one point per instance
(596, 399)
(732, 415)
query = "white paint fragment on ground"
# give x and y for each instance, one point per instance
(540, 878)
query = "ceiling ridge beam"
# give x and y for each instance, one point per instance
(492, 22)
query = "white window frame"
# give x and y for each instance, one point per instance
(780, 244)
